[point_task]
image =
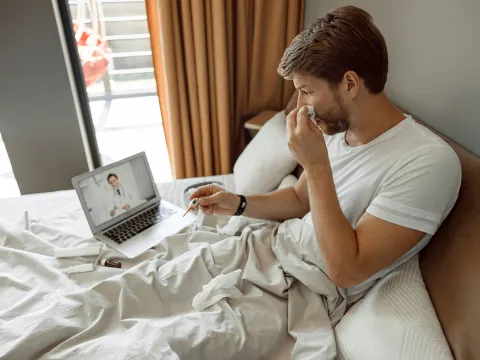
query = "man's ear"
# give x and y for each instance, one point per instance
(351, 82)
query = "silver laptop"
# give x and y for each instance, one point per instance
(123, 207)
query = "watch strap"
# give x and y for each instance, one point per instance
(242, 206)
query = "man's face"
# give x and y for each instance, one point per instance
(114, 182)
(332, 116)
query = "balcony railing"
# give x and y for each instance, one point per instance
(130, 72)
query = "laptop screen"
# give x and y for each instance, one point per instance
(119, 190)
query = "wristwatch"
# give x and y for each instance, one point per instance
(242, 206)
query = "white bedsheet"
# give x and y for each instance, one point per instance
(145, 308)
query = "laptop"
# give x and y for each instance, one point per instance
(123, 207)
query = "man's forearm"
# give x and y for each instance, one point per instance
(279, 205)
(335, 236)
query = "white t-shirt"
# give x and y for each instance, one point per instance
(407, 176)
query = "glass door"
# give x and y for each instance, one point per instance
(118, 73)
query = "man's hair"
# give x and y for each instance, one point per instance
(345, 39)
(110, 175)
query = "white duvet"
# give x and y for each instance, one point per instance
(146, 312)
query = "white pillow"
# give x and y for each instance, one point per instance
(288, 181)
(266, 160)
(395, 320)
(176, 193)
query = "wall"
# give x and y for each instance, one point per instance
(434, 52)
(40, 120)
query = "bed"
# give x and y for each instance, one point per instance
(58, 221)
(395, 319)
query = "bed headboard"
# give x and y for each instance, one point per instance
(450, 264)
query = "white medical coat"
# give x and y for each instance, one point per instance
(120, 200)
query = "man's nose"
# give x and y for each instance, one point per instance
(300, 102)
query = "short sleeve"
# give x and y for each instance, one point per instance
(420, 192)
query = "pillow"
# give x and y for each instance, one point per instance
(266, 160)
(395, 320)
(176, 191)
(288, 181)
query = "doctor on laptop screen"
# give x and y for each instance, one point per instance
(120, 189)
(121, 197)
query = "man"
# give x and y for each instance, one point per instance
(121, 198)
(376, 185)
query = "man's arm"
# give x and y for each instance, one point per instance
(280, 205)
(353, 255)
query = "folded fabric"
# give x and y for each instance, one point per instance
(220, 287)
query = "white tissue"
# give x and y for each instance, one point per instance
(223, 286)
(233, 226)
(311, 112)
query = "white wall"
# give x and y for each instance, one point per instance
(434, 52)
(39, 117)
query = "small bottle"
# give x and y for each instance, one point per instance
(110, 263)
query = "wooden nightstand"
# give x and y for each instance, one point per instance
(255, 123)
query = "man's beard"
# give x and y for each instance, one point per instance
(336, 119)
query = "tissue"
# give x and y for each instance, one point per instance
(311, 112)
(222, 286)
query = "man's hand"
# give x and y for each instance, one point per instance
(215, 200)
(126, 207)
(112, 212)
(305, 140)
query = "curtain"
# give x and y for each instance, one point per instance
(215, 64)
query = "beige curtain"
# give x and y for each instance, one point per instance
(215, 63)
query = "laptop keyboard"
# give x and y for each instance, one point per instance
(139, 223)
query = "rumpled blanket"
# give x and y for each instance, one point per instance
(279, 286)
